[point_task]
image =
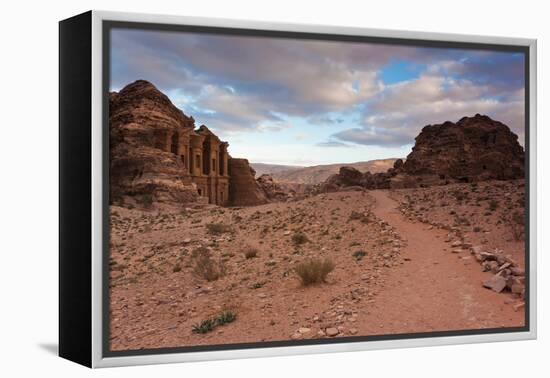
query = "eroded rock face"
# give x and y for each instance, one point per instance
(398, 164)
(473, 149)
(142, 121)
(351, 177)
(273, 190)
(244, 190)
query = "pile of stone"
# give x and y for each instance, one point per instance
(507, 274)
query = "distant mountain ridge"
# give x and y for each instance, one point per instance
(270, 169)
(318, 173)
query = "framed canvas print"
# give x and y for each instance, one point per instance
(234, 189)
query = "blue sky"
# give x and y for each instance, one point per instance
(308, 102)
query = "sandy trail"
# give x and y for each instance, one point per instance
(422, 288)
(434, 289)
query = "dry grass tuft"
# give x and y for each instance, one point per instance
(147, 201)
(314, 271)
(517, 224)
(299, 238)
(205, 267)
(217, 228)
(250, 252)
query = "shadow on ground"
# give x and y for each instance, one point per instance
(51, 348)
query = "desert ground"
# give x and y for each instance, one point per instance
(403, 263)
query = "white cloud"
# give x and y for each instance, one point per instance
(401, 110)
(235, 84)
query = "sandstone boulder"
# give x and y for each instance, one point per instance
(398, 164)
(349, 177)
(473, 149)
(496, 283)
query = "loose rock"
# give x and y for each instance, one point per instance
(496, 283)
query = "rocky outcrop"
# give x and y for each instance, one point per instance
(142, 121)
(244, 190)
(273, 190)
(398, 164)
(473, 149)
(349, 177)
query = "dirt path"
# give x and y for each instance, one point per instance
(434, 289)
(407, 281)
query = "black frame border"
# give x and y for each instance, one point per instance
(109, 25)
(75, 189)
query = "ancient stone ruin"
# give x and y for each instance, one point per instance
(157, 155)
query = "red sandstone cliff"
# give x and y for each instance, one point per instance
(473, 149)
(243, 188)
(141, 170)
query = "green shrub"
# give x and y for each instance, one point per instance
(359, 254)
(209, 324)
(204, 326)
(225, 317)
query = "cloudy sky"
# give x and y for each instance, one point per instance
(308, 102)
